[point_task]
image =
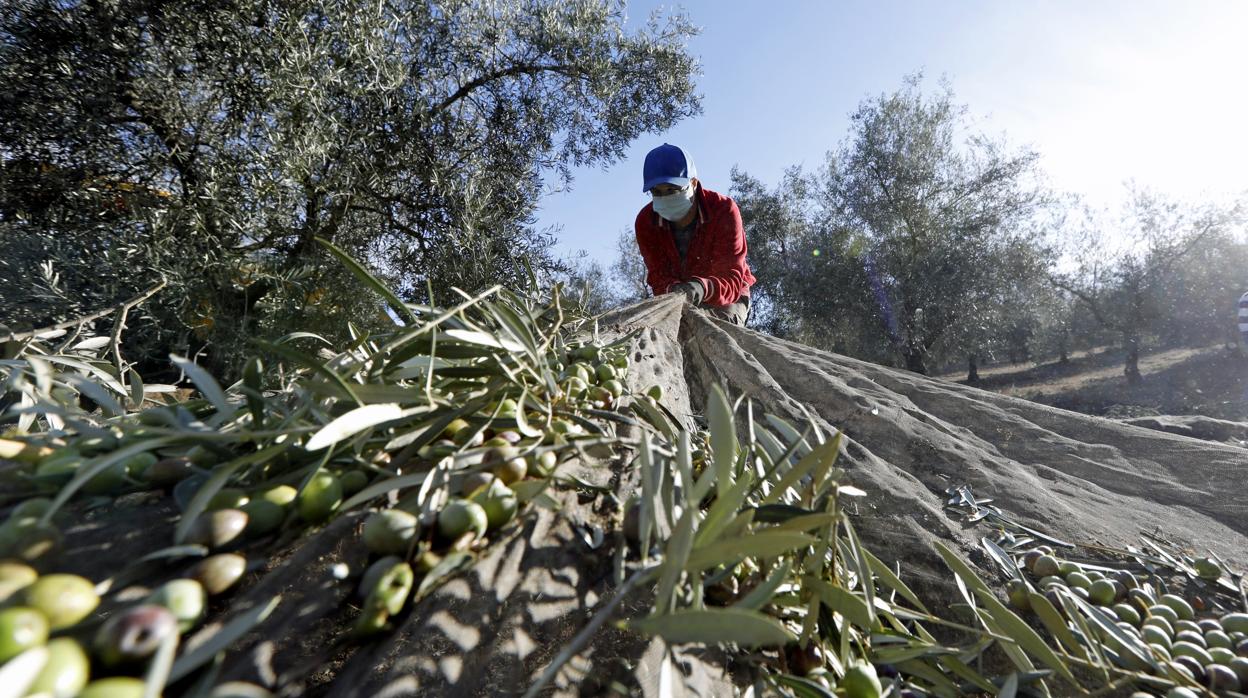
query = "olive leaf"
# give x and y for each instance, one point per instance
(715, 626)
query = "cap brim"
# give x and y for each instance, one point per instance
(652, 183)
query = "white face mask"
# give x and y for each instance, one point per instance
(674, 207)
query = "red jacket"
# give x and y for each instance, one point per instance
(716, 254)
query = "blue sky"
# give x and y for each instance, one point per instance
(1106, 91)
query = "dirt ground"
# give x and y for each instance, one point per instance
(1209, 381)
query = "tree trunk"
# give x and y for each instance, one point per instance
(1131, 369)
(915, 360)
(972, 368)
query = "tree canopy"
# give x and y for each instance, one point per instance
(213, 140)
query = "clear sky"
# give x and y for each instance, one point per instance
(1105, 91)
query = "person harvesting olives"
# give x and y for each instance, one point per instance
(691, 238)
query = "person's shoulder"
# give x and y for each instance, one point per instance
(713, 199)
(647, 221)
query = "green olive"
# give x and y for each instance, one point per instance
(20, 629)
(185, 598)
(655, 392)
(1127, 612)
(474, 482)
(227, 498)
(1046, 566)
(114, 687)
(1235, 622)
(203, 456)
(218, 573)
(373, 574)
(65, 599)
(499, 502)
(1181, 607)
(390, 532)
(1164, 612)
(33, 507)
(319, 499)
(353, 481)
(1102, 592)
(511, 470)
(280, 495)
(460, 516)
(1217, 638)
(263, 517)
(65, 673)
(1207, 569)
(168, 472)
(861, 681)
(1079, 580)
(28, 540)
(60, 466)
(1018, 594)
(15, 576)
(139, 463)
(217, 529)
(392, 588)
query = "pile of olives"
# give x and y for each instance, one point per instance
(94, 654)
(1210, 652)
(57, 612)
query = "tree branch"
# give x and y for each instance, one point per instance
(78, 322)
(481, 81)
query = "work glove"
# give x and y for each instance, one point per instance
(692, 291)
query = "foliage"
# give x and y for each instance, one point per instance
(1177, 272)
(906, 241)
(211, 143)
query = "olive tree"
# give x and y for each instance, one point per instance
(220, 139)
(1163, 266)
(938, 207)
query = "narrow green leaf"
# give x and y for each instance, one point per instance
(365, 276)
(656, 419)
(802, 687)
(136, 388)
(844, 602)
(223, 638)
(941, 685)
(824, 453)
(715, 626)
(723, 438)
(99, 464)
(308, 361)
(1055, 624)
(442, 571)
(93, 390)
(352, 423)
(674, 558)
(159, 667)
(806, 523)
(723, 510)
(204, 381)
(891, 580)
(379, 488)
(1011, 625)
(730, 548)
(778, 513)
(220, 475)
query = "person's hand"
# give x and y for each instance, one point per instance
(692, 291)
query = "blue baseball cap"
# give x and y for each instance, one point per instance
(667, 164)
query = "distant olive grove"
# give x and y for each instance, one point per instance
(921, 243)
